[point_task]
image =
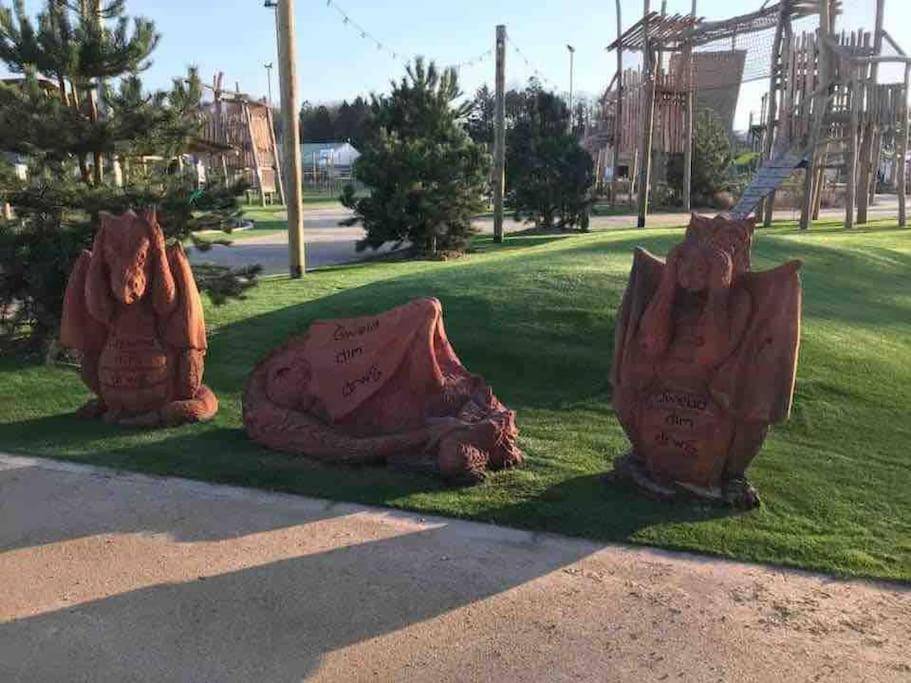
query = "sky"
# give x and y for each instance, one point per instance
(237, 37)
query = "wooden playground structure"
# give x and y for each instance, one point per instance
(241, 132)
(825, 107)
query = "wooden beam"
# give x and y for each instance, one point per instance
(851, 161)
(891, 41)
(902, 152)
(279, 182)
(820, 101)
(775, 81)
(689, 123)
(618, 113)
(871, 127)
(648, 110)
(257, 166)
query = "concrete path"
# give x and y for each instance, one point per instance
(117, 577)
(327, 243)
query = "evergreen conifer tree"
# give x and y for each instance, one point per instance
(426, 177)
(93, 140)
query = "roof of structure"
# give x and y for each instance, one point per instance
(674, 32)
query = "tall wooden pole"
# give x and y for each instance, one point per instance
(648, 110)
(257, 162)
(820, 101)
(902, 151)
(869, 151)
(287, 76)
(94, 98)
(690, 122)
(776, 81)
(279, 180)
(851, 161)
(618, 114)
(499, 136)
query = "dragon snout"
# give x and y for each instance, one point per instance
(129, 285)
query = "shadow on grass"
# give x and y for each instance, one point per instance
(538, 324)
(601, 509)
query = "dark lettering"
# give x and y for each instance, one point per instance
(343, 333)
(676, 421)
(372, 376)
(348, 355)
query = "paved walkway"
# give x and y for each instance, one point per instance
(115, 577)
(327, 243)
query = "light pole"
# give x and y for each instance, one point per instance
(572, 55)
(268, 68)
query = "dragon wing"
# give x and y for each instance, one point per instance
(757, 382)
(78, 328)
(643, 282)
(185, 328)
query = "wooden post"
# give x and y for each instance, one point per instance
(820, 181)
(775, 82)
(499, 136)
(287, 74)
(820, 101)
(648, 110)
(690, 122)
(851, 181)
(94, 98)
(902, 152)
(279, 182)
(618, 113)
(257, 166)
(877, 160)
(868, 151)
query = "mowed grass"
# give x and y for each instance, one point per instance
(536, 318)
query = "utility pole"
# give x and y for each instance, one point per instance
(690, 121)
(499, 136)
(287, 77)
(572, 55)
(268, 68)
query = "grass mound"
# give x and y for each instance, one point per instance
(536, 318)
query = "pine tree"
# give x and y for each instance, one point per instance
(548, 174)
(425, 175)
(713, 156)
(79, 112)
(480, 123)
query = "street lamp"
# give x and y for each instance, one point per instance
(268, 68)
(572, 54)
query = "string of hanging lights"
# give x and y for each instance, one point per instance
(534, 69)
(367, 36)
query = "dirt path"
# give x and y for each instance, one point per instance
(113, 577)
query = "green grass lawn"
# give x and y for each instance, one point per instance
(536, 318)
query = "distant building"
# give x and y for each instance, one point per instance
(330, 158)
